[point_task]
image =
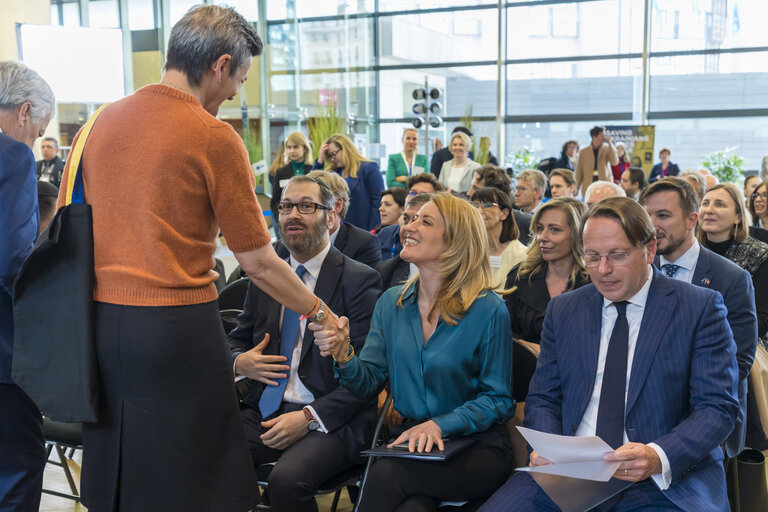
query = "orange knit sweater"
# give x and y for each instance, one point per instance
(163, 176)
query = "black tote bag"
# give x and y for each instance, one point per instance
(54, 353)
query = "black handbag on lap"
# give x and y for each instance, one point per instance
(54, 353)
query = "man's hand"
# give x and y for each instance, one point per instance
(259, 367)
(638, 462)
(421, 438)
(284, 430)
(537, 460)
(331, 338)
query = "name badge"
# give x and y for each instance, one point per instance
(495, 261)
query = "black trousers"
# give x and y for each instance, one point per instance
(407, 485)
(300, 469)
(22, 451)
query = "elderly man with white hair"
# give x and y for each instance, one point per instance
(600, 190)
(26, 107)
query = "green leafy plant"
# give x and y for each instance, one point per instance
(523, 159)
(324, 125)
(252, 143)
(466, 122)
(725, 166)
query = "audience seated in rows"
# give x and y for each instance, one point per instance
(496, 177)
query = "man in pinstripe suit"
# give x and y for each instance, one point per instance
(645, 362)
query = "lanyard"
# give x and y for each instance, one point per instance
(408, 165)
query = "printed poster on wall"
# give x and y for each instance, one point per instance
(639, 143)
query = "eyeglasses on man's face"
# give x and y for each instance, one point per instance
(304, 207)
(616, 258)
(484, 205)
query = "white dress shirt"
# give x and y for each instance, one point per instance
(635, 310)
(686, 262)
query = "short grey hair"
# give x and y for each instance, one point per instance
(617, 190)
(337, 185)
(204, 34)
(696, 175)
(20, 84)
(326, 195)
(536, 178)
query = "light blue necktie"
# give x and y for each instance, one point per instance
(272, 396)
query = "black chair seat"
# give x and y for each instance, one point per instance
(67, 434)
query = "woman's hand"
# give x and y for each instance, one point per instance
(422, 437)
(322, 153)
(332, 338)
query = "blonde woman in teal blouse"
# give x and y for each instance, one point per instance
(443, 341)
(405, 164)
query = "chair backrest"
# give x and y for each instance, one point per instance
(233, 295)
(524, 364)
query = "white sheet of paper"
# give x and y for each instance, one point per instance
(575, 457)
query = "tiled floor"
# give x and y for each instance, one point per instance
(54, 479)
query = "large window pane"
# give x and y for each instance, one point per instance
(592, 28)
(690, 140)
(407, 5)
(461, 36)
(462, 88)
(709, 82)
(141, 15)
(697, 25)
(180, 7)
(334, 44)
(103, 14)
(600, 86)
(248, 8)
(311, 8)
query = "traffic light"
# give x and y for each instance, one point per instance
(427, 107)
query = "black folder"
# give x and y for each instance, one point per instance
(452, 447)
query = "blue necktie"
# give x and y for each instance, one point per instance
(272, 396)
(610, 412)
(670, 269)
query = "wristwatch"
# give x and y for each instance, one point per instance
(319, 315)
(312, 423)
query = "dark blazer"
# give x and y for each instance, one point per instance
(527, 305)
(19, 224)
(393, 272)
(523, 221)
(283, 173)
(353, 243)
(682, 387)
(563, 162)
(364, 195)
(655, 175)
(389, 236)
(348, 288)
(58, 170)
(759, 233)
(735, 285)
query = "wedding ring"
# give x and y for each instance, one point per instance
(626, 472)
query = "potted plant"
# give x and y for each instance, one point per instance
(725, 166)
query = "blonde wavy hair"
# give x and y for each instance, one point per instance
(465, 269)
(350, 156)
(573, 209)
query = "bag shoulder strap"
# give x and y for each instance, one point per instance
(75, 191)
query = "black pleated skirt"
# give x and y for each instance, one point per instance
(169, 435)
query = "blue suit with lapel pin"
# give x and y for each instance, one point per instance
(735, 285)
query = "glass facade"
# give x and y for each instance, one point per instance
(531, 74)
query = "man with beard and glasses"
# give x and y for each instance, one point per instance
(295, 414)
(673, 207)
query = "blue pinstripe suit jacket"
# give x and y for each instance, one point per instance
(683, 385)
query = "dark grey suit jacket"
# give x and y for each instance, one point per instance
(348, 288)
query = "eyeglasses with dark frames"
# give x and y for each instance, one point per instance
(304, 208)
